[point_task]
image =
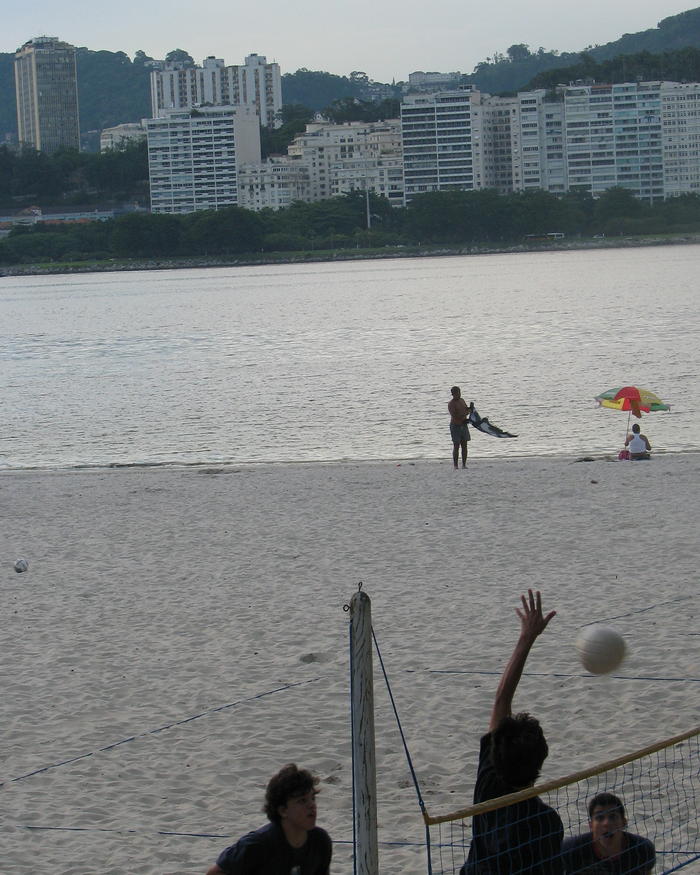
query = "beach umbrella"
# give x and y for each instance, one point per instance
(632, 399)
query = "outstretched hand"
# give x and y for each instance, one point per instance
(532, 621)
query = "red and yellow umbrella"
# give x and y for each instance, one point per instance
(633, 399)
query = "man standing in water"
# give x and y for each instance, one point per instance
(459, 415)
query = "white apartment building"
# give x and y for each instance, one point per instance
(119, 135)
(440, 132)
(193, 156)
(680, 127)
(255, 83)
(346, 157)
(493, 142)
(614, 138)
(539, 157)
(420, 81)
(273, 184)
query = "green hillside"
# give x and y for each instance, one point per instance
(674, 32)
(515, 70)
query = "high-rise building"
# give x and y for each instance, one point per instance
(538, 149)
(193, 156)
(614, 138)
(46, 87)
(439, 133)
(680, 127)
(255, 83)
(493, 143)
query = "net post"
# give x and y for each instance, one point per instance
(364, 759)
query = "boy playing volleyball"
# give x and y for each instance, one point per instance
(291, 843)
(526, 836)
(608, 849)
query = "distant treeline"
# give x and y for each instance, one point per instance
(69, 177)
(682, 65)
(449, 218)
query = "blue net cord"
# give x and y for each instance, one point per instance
(405, 747)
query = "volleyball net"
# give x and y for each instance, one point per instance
(658, 786)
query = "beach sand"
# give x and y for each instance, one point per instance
(180, 635)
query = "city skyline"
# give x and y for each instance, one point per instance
(386, 42)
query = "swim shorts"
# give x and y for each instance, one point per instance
(459, 433)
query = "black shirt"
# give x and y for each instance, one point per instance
(579, 855)
(266, 851)
(524, 837)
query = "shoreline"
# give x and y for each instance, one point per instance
(309, 257)
(235, 467)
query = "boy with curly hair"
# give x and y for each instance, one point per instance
(291, 843)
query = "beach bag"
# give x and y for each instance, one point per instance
(623, 455)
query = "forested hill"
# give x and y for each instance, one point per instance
(112, 88)
(682, 65)
(519, 66)
(674, 32)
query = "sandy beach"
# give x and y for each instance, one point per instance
(180, 635)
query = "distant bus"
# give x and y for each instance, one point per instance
(550, 235)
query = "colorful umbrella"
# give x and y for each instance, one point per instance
(637, 401)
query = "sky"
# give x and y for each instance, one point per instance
(387, 39)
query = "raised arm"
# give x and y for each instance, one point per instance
(532, 624)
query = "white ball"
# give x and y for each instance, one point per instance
(600, 649)
(21, 565)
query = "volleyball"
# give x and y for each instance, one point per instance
(600, 649)
(21, 565)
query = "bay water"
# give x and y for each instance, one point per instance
(347, 360)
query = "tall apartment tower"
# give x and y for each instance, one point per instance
(614, 138)
(537, 142)
(441, 136)
(680, 128)
(255, 83)
(46, 87)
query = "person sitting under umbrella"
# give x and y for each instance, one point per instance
(638, 444)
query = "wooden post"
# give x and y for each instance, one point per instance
(363, 754)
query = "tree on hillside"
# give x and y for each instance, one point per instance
(111, 89)
(141, 58)
(274, 141)
(8, 110)
(351, 109)
(180, 56)
(316, 89)
(518, 52)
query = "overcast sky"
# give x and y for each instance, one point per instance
(386, 39)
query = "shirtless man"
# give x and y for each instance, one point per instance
(459, 430)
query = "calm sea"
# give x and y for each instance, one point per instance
(348, 361)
